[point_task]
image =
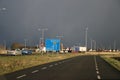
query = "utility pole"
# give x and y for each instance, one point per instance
(43, 32)
(60, 42)
(4, 44)
(41, 41)
(86, 35)
(114, 45)
(94, 44)
(25, 44)
(91, 44)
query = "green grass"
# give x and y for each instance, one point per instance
(10, 64)
(115, 63)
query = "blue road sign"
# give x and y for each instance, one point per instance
(52, 44)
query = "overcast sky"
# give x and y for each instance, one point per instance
(69, 18)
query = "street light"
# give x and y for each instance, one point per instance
(86, 34)
(60, 41)
(43, 30)
(4, 44)
(91, 44)
(25, 43)
(94, 44)
(114, 44)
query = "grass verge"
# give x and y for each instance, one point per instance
(10, 64)
(115, 63)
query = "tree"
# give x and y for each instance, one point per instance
(17, 46)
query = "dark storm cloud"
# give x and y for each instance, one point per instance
(69, 18)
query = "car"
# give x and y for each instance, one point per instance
(14, 52)
(26, 52)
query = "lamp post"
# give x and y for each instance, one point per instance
(43, 31)
(91, 44)
(60, 41)
(41, 41)
(4, 44)
(114, 44)
(86, 35)
(94, 45)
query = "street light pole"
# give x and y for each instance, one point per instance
(86, 35)
(60, 42)
(43, 31)
(25, 42)
(4, 44)
(91, 44)
(114, 45)
(94, 44)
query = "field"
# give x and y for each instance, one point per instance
(10, 64)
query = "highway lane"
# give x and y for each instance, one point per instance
(78, 68)
(107, 72)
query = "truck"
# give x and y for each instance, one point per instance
(52, 45)
(82, 49)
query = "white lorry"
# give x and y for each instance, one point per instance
(82, 49)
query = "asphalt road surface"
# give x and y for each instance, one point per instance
(78, 68)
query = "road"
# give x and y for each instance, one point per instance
(78, 68)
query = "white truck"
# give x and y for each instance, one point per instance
(82, 49)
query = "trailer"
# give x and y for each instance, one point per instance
(82, 49)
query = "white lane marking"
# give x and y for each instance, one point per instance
(44, 68)
(96, 66)
(56, 64)
(97, 69)
(21, 76)
(95, 61)
(34, 71)
(50, 65)
(59, 62)
(98, 77)
(63, 61)
(97, 72)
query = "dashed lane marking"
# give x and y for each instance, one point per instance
(56, 64)
(96, 69)
(44, 68)
(59, 62)
(96, 66)
(50, 65)
(98, 77)
(21, 76)
(97, 72)
(34, 71)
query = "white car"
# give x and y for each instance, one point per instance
(14, 52)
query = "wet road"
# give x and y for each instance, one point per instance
(79, 68)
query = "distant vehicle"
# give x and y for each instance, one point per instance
(26, 52)
(14, 52)
(82, 49)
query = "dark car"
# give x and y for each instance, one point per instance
(25, 52)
